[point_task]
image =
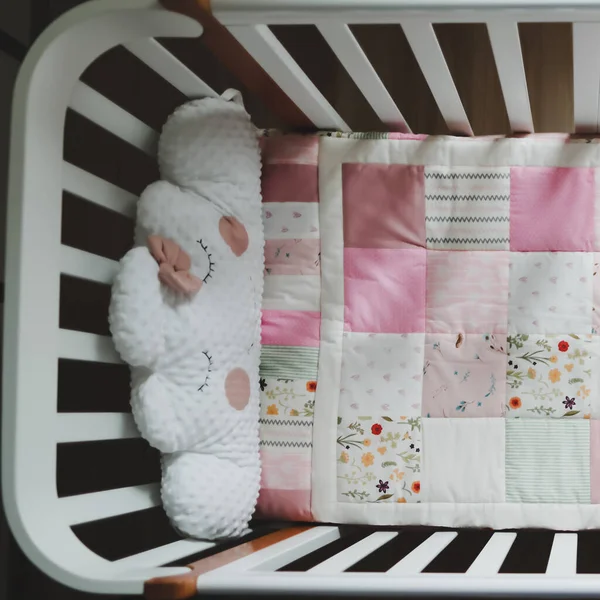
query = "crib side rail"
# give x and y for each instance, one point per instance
(249, 23)
(368, 562)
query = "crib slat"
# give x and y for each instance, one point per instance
(85, 185)
(101, 505)
(78, 345)
(163, 555)
(563, 556)
(350, 556)
(85, 265)
(266, 49)
(355, 61)
(586, 76)
(427, 51)
(506, 47)
(90, 427)
(490, 559)
(99, 109)
(158, 58)
(422, 555)
(284, 552)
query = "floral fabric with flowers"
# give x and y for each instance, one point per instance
(280, 397)
(550, 376)
(379, 459)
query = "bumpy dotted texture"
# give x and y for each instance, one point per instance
(181, 349)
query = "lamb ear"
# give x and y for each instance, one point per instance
(179, 281)
(183, 262)
(234, 234)
(231, 95)
(155, 245)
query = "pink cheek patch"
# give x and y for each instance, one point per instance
(234, 234)
(237, 388)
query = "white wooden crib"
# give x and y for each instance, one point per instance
(51, 507)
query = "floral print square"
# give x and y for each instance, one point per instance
(381, 372)
(281, 397)
(551, 376)
(379, 459)
(550, 292)
(463, 375)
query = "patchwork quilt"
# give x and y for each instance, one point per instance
(431, 331)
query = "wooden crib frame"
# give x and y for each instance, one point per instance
(238, 31)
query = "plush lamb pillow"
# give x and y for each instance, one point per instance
(185, 315)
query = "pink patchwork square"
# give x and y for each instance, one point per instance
(291, 328)
(464, 375)
(467, 292)
(595, 461)
(384, 206)
(384, 290)
(290, 149)
(552, 208)
(596, 294)
(290, 183)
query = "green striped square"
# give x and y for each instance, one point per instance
(293, 362)
(548, 460)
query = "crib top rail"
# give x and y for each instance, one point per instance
(271, 12)
(249, 24)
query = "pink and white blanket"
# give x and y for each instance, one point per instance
(430, 327)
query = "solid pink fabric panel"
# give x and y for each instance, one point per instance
(285, 472)
(290, 183)
(289, 505)
(384, 206)
(384, 290)
(291, 328)
(289, 172)
(467, 291)
(290, 149)
(552, 209)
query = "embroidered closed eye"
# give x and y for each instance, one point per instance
(211, 265)
(208, 371)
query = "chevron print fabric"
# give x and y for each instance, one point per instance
(467, 208)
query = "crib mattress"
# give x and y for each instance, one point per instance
(430, 331)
